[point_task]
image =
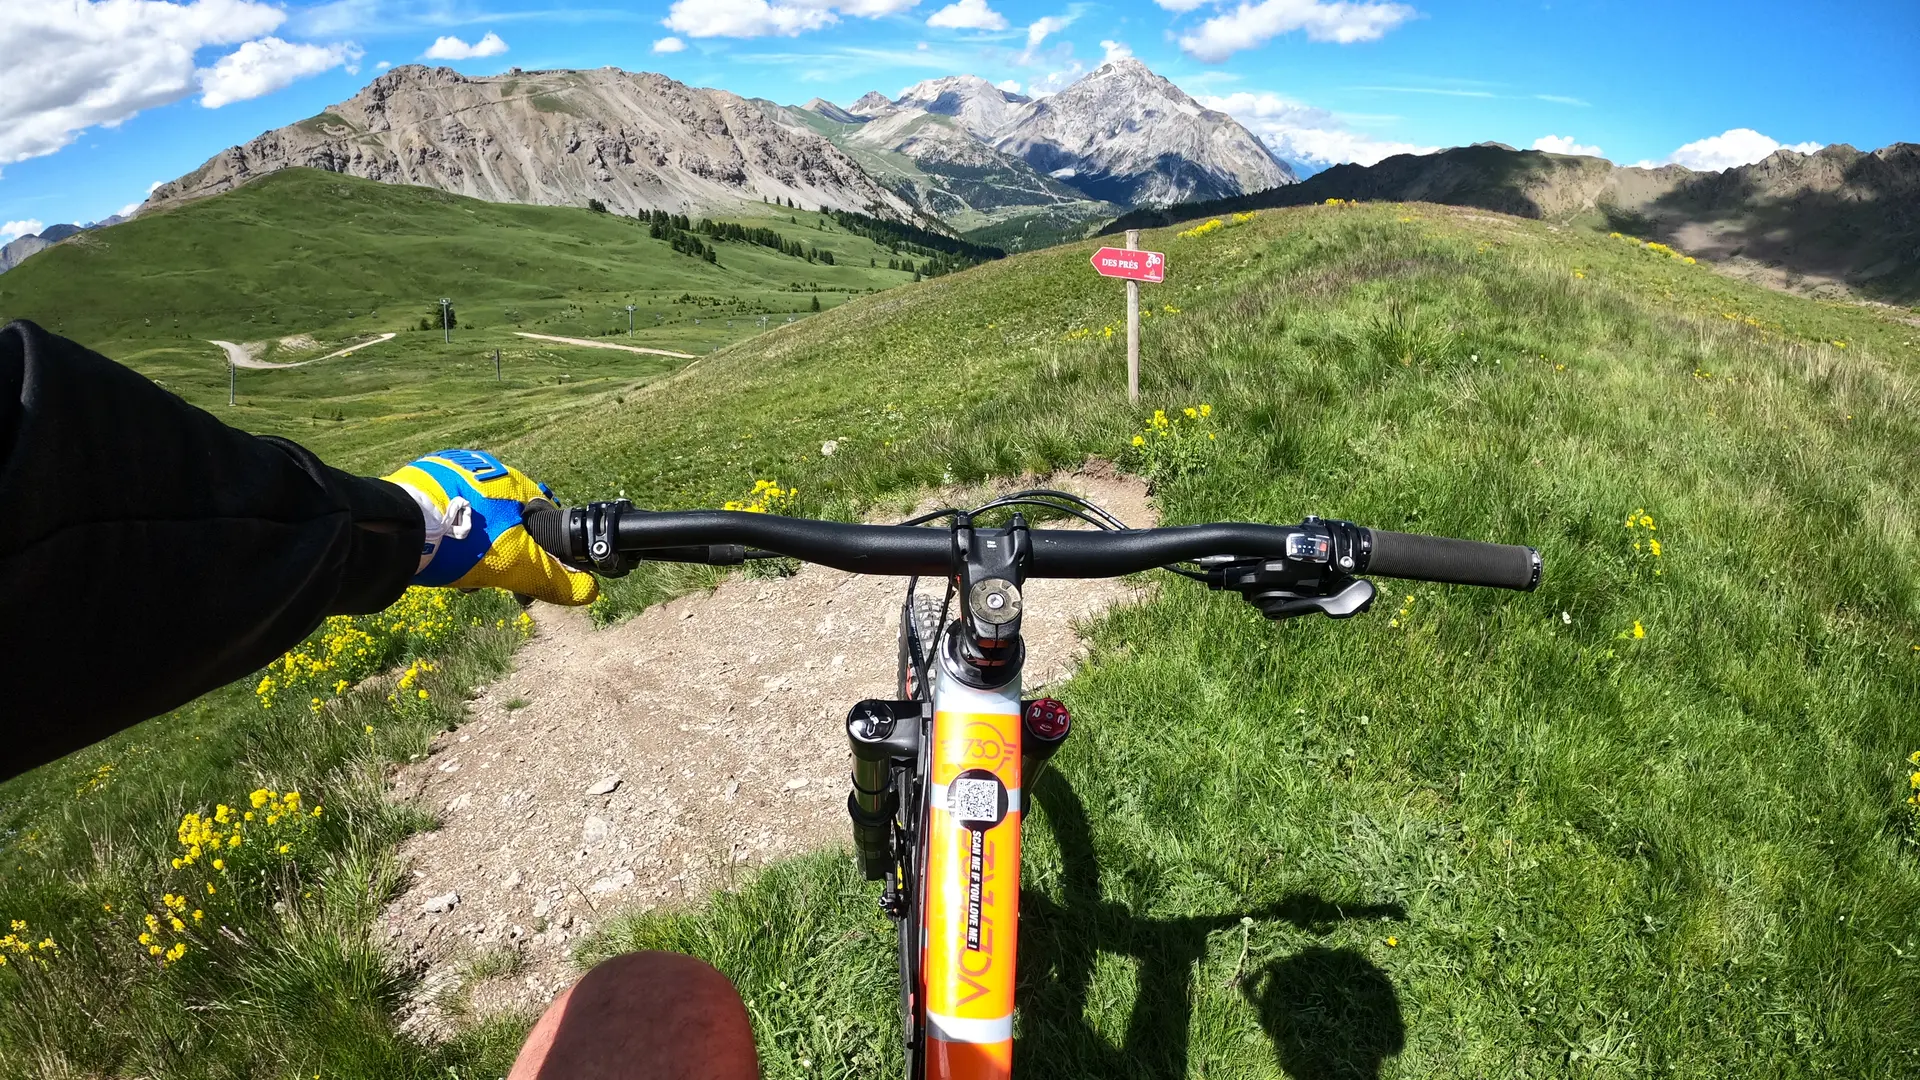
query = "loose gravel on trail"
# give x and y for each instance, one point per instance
(651, 762)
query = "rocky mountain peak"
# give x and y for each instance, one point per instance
(1125, 134)
(631, 140)
(871, 103)
(981, 108)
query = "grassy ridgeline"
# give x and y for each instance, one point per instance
(1468, 834)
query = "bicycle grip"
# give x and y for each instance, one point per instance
(547, 524)
(1452, 562)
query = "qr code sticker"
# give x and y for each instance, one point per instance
(974, 799)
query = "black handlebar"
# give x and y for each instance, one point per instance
(718, 536)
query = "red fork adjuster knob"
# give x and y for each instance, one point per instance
(1048, 719)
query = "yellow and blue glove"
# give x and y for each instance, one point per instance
(475, 537)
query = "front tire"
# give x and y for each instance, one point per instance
(920, 614)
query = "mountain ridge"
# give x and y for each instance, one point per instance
(1834, 222)
(632, 141)
(952, 147)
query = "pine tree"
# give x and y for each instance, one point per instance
(816, 302)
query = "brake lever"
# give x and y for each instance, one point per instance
(1345, 604)
(1289, 588)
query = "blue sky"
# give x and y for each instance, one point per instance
(107, 97)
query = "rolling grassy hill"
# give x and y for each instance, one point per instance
(304, 262)
(303, 251)
(1648, 820)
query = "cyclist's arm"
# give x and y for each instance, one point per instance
(149, 553)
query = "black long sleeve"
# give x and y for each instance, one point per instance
(149, 553)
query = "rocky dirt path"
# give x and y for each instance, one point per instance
(651, 762)
(592, 344)
(240, 357)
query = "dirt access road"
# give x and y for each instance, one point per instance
(238, 356)
(651, 762)
(592, 344)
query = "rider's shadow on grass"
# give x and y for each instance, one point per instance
(1330, 1013)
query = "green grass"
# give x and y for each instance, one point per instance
(1595, 854)
(293, 982)
(341, 260)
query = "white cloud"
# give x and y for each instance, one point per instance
(1740, 146)
(1564, 144)
(258, 68)
(968, 15)
(452, 48)
(1116, 50)
(1011, 86)
(127, 210)
(14, 230)
(1045, 26)
(341, 17)
(770, 18)
(382, 65)
(1055, 81)
(1180, 5)
(669, 45)
(1253, 24)
(871, 9)
(1305, 133)
(76, 65)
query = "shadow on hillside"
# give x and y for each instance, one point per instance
(1483, 177)
(1331, 1014)
(1869, 239)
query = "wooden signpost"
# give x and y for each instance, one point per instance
(1135, 266)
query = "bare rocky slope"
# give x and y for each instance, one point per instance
(630, 140)
(1125, 135)
(932, 160)
(957, 149)
(1120, 134)
(1832, 223)
(982, 109)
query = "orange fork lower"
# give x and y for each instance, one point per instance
(972, 886)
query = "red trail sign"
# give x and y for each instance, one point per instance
(1147, 266)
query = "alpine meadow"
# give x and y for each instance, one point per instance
(1655, 818)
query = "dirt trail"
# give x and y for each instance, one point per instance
(238, 356)
(719, 713)
(592, 344)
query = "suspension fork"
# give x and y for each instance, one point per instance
(970, 901)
